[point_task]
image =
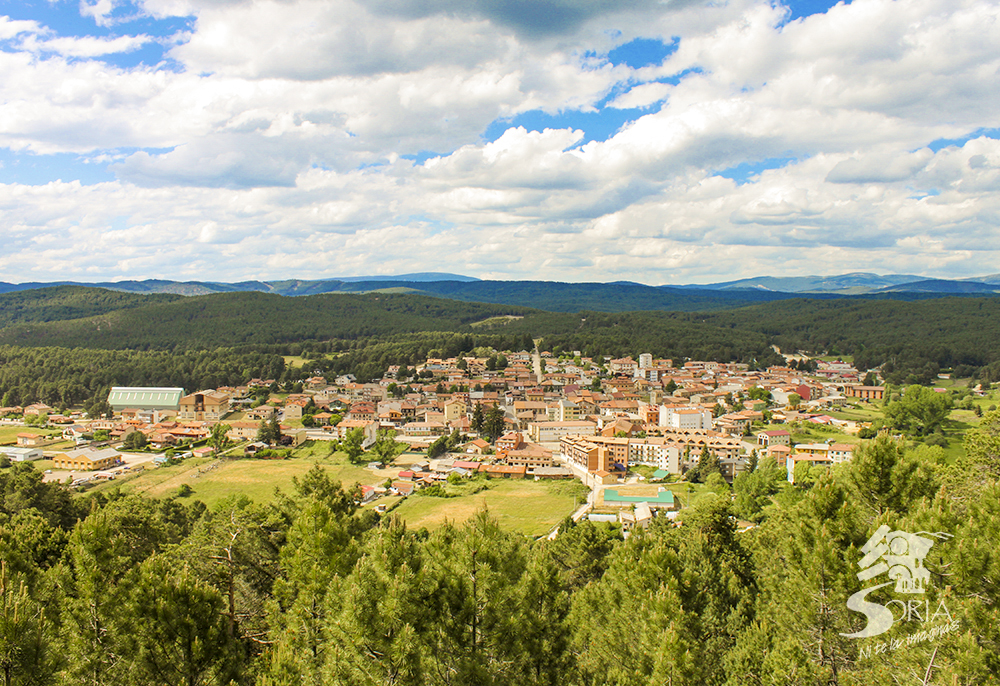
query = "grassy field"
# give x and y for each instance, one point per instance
(805, 432)
(819, 433)
(644, 470)
(496, 321)
(863, 412)
(954, 429)
(532, 508)
(213, 480)
(8, 434)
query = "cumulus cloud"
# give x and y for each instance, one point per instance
(318, 39)
(276, 147)
(530, 18)
(11, 27)
(877, 167)
(84, 46)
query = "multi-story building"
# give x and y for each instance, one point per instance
(865, 392)
(552, 432)
(685, 418)
(659, 452)
(204, 406)
(529, 456)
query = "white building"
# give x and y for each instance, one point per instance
(552, 432)
(659, 452)
(685, 418)
(21, 454)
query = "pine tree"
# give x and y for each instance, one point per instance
(806, 567)
(478, 418)
(543, 636)
(708, 464)
(235, 549)
(274, 431)
(105, 552)
(884, 478)
(179, 631)
(474, 572)
(493, 426)
(263, 432)
(321, 549)
(23, 658)
(378, 636)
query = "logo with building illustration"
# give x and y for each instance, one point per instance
(900, 555)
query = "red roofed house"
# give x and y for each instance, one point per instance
(510, 441)
(26, 440)
(404, 487)
(842, 452)
(504, 471)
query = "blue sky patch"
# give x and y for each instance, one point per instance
(64, 19)
(30, 169)
(642, 52)
(424, 155)
(744, 171)
(33, 170)
(596, 126)
(151, 54)
(804, 8)
(941, 143)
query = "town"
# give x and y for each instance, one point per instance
(622, 427)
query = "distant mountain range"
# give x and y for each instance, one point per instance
(283, 287)
(857, 283)
(575, 297)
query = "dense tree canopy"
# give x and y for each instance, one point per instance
(308, 588)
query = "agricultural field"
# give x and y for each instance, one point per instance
(528, 507)
(213, 480)
(532, 508)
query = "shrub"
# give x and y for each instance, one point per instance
(937, 439)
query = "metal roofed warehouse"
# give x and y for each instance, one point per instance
(122, 398)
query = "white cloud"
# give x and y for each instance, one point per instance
(9, 28)
(880, 167)
(286, 122)
(84, 46)
(98, 10)
(643, 95)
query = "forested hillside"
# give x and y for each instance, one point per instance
(232, 319)
(913, 338)
(912, 341)
(69, 302)
(556, 296)
(63, 377)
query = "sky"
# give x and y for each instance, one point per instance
(656, 141)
